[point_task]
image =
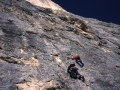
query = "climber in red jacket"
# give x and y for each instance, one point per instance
(78, 60)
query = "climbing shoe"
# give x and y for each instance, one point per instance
(82, 78)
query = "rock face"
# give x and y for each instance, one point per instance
(36, 43)
(46, 4)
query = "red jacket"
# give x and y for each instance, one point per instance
(76, 57)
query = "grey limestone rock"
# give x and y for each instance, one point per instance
(36, 44)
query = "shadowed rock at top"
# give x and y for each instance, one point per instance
(36, 43)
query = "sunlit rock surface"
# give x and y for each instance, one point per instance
(46, 4)
(36, 44)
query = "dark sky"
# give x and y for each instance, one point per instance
(103, 10)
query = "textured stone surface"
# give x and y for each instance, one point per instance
(46, 4)
(36, 44)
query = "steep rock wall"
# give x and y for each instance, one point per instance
(36, 44)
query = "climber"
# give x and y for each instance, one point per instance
(100, 44)
(73, 71)
(78, 60)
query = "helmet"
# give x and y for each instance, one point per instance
(72, 65)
